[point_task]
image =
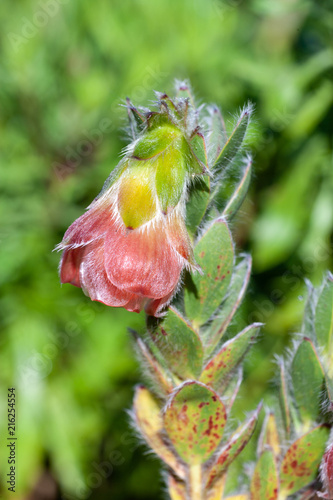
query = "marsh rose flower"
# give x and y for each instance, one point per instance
(130, 248)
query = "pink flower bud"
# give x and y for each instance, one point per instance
(130, 248)
(327, 473)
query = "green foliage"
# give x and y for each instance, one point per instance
(62, 84)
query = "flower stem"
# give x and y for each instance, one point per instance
(195, 482)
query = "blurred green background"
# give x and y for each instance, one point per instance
(65, 68)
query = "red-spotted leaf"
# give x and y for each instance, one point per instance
(218, 369)
(239, 282)
(265, 480)
(180, 345)
(324, 316)
(194, 419)
(240, 192)
(214, 252)
(232, 449)
(147, 415)
(308, 381)
(301, 462)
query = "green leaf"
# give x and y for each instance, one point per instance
(240, 192)
(197, 204)
(147, 416)
(180, 345)
(239, 282)
(198, 147)
(301, 462)
(265, 480)
(283, 393)
(324, 316)
(217, 134)
(308, 381)
(156, 372)
(269, 436)
(194, 419)
(235, 141)
(232, 449)
(214, 252)
(218, 369)
(308, 326)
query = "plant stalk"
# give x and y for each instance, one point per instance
(195, 482)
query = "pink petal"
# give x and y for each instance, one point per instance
(142, 262)
(136, 304)
(179, 238)
(94, 280)
(70, 266)
(154, 307)
(91, 225)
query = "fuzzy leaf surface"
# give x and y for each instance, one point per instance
(217, 136)
(269, 436)
(232, 449)
(228, 357)
(324, 316)
(197, 204)
(240, 192)
(265, 481)
(235, 141)
(214, 252)
(283, 393)
(194, 420)
(156, 372)
(308, 380)
(180, 345)
(239, 282)
(301, 462)
(148, 418)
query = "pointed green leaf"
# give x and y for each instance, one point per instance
(198, 147)
(231, 391)
(197, 204)
(301, 462)
(218, 369)
(308, 381)
(284, 399)
(147, 415)
(180, 345)
(232, 449)
(217, 134)
(239, 282)
(265, 480)
(308, 326)
(240, 192)
(194, 419)
(214, 252)
(235, 141)
(269, 436)
(324, 316)
(158, 376)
